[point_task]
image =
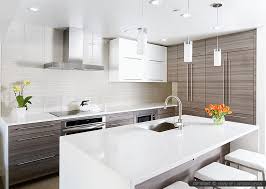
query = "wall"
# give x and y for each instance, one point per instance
(27, 47)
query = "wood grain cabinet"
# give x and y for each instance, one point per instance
(241, 86)
(165, 113)
(172, 64)
(33, 150)
(234, 83)
(191, 80)
(119, 119)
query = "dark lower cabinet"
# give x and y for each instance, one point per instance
(33, 151)
(165, 113)
(119, 119)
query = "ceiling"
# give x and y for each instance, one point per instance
(6, 15)
(111, 17)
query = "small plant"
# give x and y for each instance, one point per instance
(18, 91)
(217, 112)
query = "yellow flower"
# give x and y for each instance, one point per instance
(26, 82)
(16, 88)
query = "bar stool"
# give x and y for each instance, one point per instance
(248, 159)
(219, 172)
(179, 185)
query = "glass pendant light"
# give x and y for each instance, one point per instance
(142, 38)
(188, 45)
(188, 51)
(217, 52)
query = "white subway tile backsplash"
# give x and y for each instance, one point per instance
(25, 50)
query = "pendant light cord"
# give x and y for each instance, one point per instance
(217, 25)
(142, 12)
(188, 6)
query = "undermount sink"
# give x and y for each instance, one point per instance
(161, 127)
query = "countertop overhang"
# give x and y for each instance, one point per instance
(140, 154)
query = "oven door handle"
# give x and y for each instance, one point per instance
(82, 128)
(101, 124)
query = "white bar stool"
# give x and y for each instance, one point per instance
(179, 185)
(248, 159)
(219, 172)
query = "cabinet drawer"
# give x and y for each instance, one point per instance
(35, 141)
(21, 157)
(120, 116)
(170, 110)
(118, 123)
(33, 168)
(34, 128)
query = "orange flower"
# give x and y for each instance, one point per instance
(207, 110)
(212, 107)
(225, 110)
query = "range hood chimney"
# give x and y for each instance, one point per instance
(73, 40)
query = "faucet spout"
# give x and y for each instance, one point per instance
(179, 103)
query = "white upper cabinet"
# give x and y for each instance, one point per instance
(125, 65)
(156, 53)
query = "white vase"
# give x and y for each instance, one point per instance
(21, 112)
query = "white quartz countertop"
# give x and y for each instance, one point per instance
(42, 117)
(140, 154)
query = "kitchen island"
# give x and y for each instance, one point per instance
(127, 156)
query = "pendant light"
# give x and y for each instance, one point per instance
(188, 50)
(188, 45)
(217, 52)
(142, 38)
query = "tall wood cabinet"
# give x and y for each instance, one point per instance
(233, 83)
(191, 80)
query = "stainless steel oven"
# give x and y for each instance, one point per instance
(146, 115)
(80, 125)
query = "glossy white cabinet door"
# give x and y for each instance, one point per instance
(127, 66)
(128, 48)
(155, 71)
(156, 53)
(131, 69)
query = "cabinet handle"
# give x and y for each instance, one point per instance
(114, 125)
(35, 160)
(224, 82)
(243, 117)
(159, 61)
(155, 79)
(187, 83)
(191, 84)
(33, 127)
(132, 58)
(229, 82)
(132, 79)
(36, 137)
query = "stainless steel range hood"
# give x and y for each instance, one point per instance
(73, 40)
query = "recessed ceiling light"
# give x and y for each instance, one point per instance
(163, 40)
(186, 15)
(34, 9)
(154, 2)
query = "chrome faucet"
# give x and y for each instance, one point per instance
(179, 122)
